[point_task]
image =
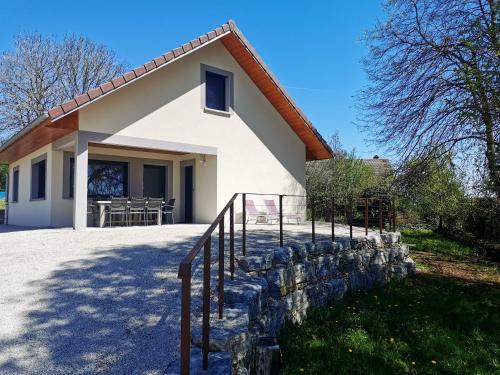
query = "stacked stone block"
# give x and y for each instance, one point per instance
(280, 284)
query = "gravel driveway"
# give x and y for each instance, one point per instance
(97, 301)
(103, 301)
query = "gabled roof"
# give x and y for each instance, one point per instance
(239, 47)
(381, 167)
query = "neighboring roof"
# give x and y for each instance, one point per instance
(382, 167)
(239, 47)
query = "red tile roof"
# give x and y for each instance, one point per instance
(69, 106)
(240, 48)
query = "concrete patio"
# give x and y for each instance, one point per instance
(104, 300)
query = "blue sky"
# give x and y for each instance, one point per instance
(313, 47)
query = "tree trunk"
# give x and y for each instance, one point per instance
(491, 154)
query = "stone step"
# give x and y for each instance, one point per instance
(229, 334)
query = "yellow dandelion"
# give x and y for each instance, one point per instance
(350, 350)
(301, 370)
(413, 363)
(392, 339)
(433, 362)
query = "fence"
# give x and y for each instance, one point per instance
(370, 208)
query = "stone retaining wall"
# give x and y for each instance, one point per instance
(276, 285)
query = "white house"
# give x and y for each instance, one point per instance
(200, 123)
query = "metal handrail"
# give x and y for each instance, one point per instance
(188, 259)
(185, 267)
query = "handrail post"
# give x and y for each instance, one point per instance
(206, 303)
(366, 216)
(231, 240)
(244, 230)
(221, 268)
(281, 220)
(186, 321)
(380, 215)
(350, 218)
(312, 221)
(333, 219)
(394, 215)
(389, 214)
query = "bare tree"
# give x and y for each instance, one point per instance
(434, 72)
(28, 82)
(42, 72)
(86, 65)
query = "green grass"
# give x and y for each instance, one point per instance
(448, 313)
(2, 204)
(428, 240)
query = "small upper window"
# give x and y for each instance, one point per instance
(15, 185)
(215, 91)
(38, 179)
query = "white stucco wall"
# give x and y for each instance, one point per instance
(26, 212)
(257, 151)
(61, 207)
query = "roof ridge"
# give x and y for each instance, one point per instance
(222, 32)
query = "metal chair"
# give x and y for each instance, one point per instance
(92, 210)
(154, 207)
(137, 206)
(169, 210)
(118, 207)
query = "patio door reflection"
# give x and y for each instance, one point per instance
(105, 179)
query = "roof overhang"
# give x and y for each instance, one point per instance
(63, 119)
(39, 133)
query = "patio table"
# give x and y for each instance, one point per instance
(102, 212)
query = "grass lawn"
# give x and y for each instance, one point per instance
(2, 204)
(445, 319)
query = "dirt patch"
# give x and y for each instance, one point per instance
(471, 270)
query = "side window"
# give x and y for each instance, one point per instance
(217, 93)
(38, 178)
(15, 185)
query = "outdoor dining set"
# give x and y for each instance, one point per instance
(131, 211)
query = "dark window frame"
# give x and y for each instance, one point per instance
(210, 71)
(215, 91)
(38, 180)
(15, 185)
